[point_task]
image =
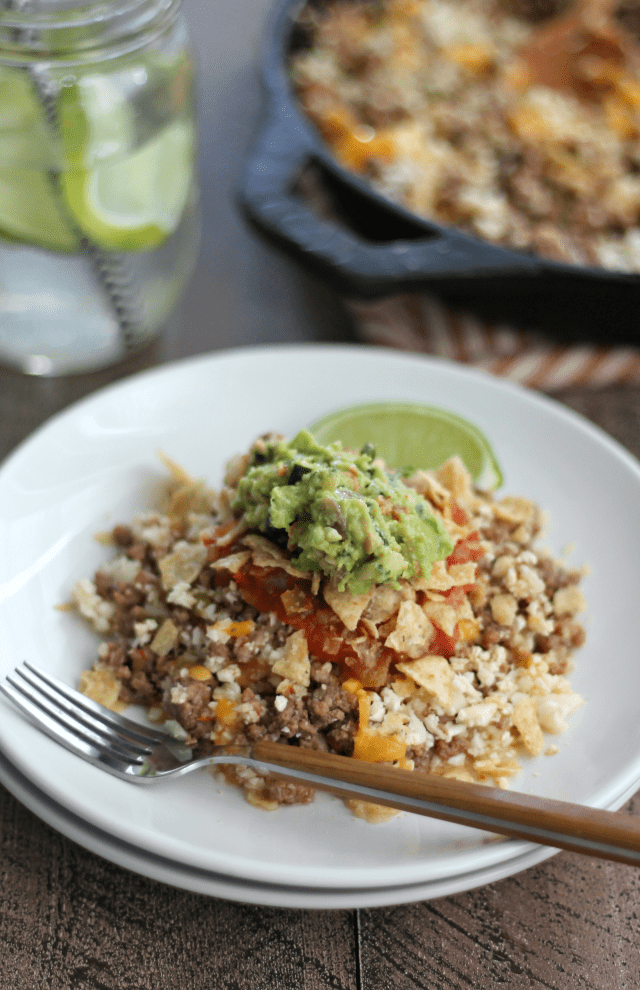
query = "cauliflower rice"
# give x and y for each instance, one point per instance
(462, 674)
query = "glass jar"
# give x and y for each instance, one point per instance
(99, 206)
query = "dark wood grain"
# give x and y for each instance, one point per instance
(71, 921)
(566, 924)
(569, 923)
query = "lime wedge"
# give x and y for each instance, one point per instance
(411, 435)
(123, 197)
(30, 208)
(25, 138)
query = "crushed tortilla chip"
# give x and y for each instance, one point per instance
(455, 477)
(233, 563)
(458, 773)
(413, 631)
(258, 800)
(194, 497)
(295, 665)
(514, 509)
(165, 638)
(497, 770)
(375, 814)
(525, 719)
(385, 601)
(348, 607)
(184, 564)
(442, 615)
(102, 686)
(267, 554)
(434, 674)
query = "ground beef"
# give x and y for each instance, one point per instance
(286, 792)
(421, 758)
(627, 15)
(194, 707)
(445, 750)
(556, 576)
(122, 536)
(536, 10)
(325, 719)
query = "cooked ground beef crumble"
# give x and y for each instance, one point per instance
(215, 631)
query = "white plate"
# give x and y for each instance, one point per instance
(96, 464)
(199, 881)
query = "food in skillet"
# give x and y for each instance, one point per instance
(325, 601)
(517, 121)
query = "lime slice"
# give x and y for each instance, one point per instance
(95, 120)
(412, 435)
(30, 208)
(25, 138)
(123, 199)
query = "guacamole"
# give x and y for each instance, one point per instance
(340, 513)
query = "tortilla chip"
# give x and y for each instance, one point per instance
(183, 565)
(165, 638)
(348, 607)
(267, 554)
(102, 686)
(413, 631)
(434, 674)
(295, 665)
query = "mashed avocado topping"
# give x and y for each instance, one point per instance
(341, 513)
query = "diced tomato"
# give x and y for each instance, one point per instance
(443, 645)
(466, 550)
(455, 596)
(458, 514)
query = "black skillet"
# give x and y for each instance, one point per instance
(370, 247)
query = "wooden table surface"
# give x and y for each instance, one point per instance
(70, 920)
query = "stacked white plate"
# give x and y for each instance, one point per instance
(97, 464)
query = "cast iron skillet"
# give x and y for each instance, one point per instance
(376, 248)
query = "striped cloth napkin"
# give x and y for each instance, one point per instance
(424, 323)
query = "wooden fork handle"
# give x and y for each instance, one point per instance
(577, 828)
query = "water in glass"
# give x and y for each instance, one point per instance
(99, 208)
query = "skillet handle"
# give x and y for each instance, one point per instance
(421, 255)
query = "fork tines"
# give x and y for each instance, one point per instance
(79, 723)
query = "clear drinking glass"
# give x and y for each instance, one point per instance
(99, 207)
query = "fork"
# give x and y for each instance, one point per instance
(144, 755)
